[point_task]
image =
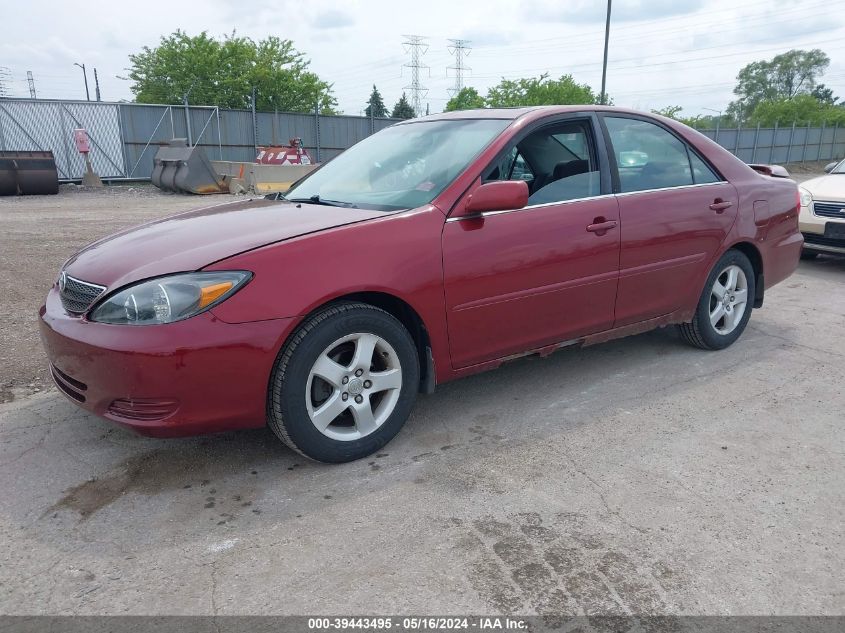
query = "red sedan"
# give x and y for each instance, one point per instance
(437, 248)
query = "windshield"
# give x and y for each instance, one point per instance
(839, 169)
(401, 167)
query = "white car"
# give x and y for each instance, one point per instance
(822, 219)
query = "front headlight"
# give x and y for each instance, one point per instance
(168, 299)
(806, 197)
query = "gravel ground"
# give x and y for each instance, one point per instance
(37, 234)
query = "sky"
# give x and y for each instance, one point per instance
(662, 52)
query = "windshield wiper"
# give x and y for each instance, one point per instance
(315, 199)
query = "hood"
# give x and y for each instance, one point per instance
(192, 240)
(830, 187)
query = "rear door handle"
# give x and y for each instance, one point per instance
(720, 205)
(600, 228)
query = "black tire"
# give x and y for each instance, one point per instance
(805, 254)
(700, 332)
(288, 415)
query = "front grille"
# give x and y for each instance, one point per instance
(77, 295)
(830, 209)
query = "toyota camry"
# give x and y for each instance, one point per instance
(437, 248)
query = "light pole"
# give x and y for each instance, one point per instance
(85, 76)
(604, 64)
(718, 122)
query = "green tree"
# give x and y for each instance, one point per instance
(540, 91)
(783, 77)
(671, 112)
(224, 71)
(698, 121)
(466, 99)
(824, 94)
(375, 106)
(802, 110)
(403, 109)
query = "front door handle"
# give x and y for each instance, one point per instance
(720, 205)
(601, 226)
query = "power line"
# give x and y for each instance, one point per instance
(415, 45)
(460, 49)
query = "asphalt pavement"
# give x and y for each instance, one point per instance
(640, 476)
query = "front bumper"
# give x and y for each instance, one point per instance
(822, 234)
(200, 375)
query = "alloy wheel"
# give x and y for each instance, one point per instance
(728, 299)
(353, 386)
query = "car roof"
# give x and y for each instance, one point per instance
(529, 112)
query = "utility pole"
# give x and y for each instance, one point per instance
(85, 77)
(96, 85)
(604, 64)
(460, 49)
(416, 46)
(31, 81)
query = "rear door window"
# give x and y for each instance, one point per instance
(647, 156)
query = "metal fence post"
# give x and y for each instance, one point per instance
(317, 129)
(756, 138)
(219, 139)
(716, 136)
(65, 132)
(122, 140)
(806, 136)
(821, 140)
(789, 147)
(2, 138)
(833, 143)
(188, 120)
(738, 132)
(774, 142)
(254, 123)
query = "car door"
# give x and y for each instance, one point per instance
(519, 279)
(675, 214)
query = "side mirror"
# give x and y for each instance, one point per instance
(501, 195)
(829, 167)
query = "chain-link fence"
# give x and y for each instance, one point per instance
(125, 136)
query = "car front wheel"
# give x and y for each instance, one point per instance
(725, 304)
(344, 384)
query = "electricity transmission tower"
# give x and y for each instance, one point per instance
(31, 81)
(5, 78)
(415, 45)
(460, 49)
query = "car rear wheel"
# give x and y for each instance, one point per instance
(725, 304)
(805, 254)
(345, 383)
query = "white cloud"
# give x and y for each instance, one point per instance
(354, 44)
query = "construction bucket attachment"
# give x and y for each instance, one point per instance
(28, 173)
(184, 169)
